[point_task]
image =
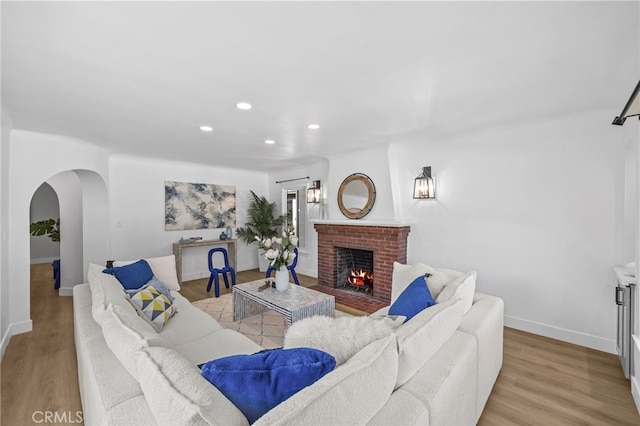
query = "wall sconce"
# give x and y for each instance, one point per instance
(423, 186)
(313, 193)
(631, 108)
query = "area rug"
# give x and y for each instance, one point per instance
(266, 329)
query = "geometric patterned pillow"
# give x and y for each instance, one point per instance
(153, 306)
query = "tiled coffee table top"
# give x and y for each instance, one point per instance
(295, 303)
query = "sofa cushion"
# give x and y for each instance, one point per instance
(153, 306)
(104, 383)
(189, 324)
(447, 385)
(105, 290)
(208, 347)
(342, 337)
(460, 289)
(258, 382)
(403, 408)
(403, 275)
(133, 275)
(422, 336)
(125, 333)
(413, 299)
(371, 373)
(163, 267)
(178, 394)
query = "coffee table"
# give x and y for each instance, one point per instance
(296, 303)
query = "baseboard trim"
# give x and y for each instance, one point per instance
(195, 276)
(16, 328)
(44, 260)
(635, 392)
(570, 336)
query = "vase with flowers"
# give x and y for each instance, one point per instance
(280, 253)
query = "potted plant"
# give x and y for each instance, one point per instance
(49, 227)
(262, 222)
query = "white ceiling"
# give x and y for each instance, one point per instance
(140, 78)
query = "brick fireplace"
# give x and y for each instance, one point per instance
(387, 242)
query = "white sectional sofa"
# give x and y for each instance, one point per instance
(436, 369)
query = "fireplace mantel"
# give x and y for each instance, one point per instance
(356, 222)
(387, 241)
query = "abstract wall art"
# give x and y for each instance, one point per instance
(198, 206)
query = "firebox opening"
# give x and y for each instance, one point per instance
(354, 269)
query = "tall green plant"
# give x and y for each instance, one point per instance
(262, 220)
(49, 227)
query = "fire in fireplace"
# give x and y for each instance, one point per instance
(354, 269)
(361, 279)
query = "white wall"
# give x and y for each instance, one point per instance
(44, 206)
(5, 317)
(137, 210)
(373, 163)
(67, 186)
(535, 209)
(630, 220)
(96, 235)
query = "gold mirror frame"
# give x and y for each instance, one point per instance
(371, 198)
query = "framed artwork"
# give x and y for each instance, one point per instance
(198, 206)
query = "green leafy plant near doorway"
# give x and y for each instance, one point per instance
(49, 228)
(262, 221)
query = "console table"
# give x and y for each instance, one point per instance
(232, 246)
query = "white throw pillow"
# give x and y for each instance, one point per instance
(342, 337)
(163, 267)
(403, 275)
(105, 289)
(178, 394)
(463, 289)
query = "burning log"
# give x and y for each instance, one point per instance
(360, 278)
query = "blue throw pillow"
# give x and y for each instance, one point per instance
(132, 276)
(256, 383)
(413, 300)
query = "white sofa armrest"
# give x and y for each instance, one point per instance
(485, 322)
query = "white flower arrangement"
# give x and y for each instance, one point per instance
(279, 251)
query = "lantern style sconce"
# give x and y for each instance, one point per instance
(423, 186)
(313, 193)
(631, 108)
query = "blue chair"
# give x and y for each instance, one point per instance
(56, 274)
(291, 267)
(224, 271)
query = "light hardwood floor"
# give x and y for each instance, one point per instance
(542, 382)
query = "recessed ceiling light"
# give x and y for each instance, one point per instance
(206, 128)
(270, 141)
(313, 126)
(243, 105)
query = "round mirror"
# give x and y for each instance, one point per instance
(356, 196)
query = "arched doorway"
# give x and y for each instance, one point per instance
(84, 224)
(44, 208)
